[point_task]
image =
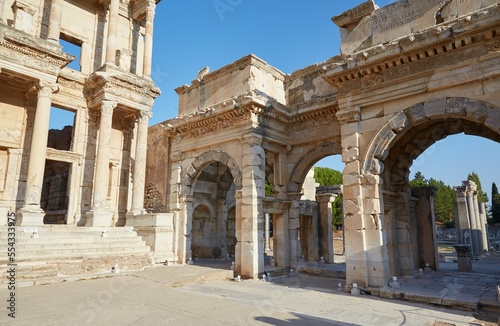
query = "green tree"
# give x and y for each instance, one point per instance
(495, 205)
(327, 176)
(482, 197)
(331, 177)
(419, 180)
(444, 201)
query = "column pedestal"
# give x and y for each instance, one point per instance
(99, 218)
(30, 215)
(464, 258)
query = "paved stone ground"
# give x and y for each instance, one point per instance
(195, 295)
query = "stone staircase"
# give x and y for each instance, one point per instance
(59, 253)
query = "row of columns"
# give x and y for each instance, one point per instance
(54, 30)
(470, 221)
(31, 213)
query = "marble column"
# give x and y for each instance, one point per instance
(139, 172)
(473, 222)
(31, 213)
(462, 220)
(484, 221)
(56, 9)
(267, 231)
(100, 215)
(479, 224)
(325, 231)
(148, 39)
(114, 9)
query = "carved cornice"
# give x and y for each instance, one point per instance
(360, 71)
(125, 89)
(31, 51)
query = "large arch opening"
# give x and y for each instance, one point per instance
(213, 230)
(408, 214)
(318, 179)
(211, 186)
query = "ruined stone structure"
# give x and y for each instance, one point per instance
(90, 174)
(470, 219)
(409, 74)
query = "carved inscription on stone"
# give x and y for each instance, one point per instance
(403, 17)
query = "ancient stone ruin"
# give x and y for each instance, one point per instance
(408, 75)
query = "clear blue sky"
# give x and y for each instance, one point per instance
(288, 34)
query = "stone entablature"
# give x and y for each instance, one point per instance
(418, 50)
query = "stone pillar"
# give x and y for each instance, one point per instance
(325, 229)
(293, 233)
(473, 223)
(100, 214)
(249, 210)
(148, 40)
(31, 214)
(139, 172)
(56, 9)
(462, 220)
(484, 223)
(267, 231)
(374, 239)
(111, 45)
(482, 237)
(183, 226)
(426, 226)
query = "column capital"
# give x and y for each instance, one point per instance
(45, 89)
(143, 116)
(252, 140)
(107, 107)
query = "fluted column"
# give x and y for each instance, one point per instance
(148, 39)
(139, 172)
(100, 214)
(114, 8)
(56, 9)
(31, 213)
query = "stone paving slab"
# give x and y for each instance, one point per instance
(194, 295)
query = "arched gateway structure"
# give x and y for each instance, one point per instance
(410, 74)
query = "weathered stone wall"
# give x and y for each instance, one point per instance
(246, 77)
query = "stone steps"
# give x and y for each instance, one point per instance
(49, 246)
(51, 254)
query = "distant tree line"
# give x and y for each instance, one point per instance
(444, 200)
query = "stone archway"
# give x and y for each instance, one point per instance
(307, 162)
(388, 160)
(196, 168)
(210, 181)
